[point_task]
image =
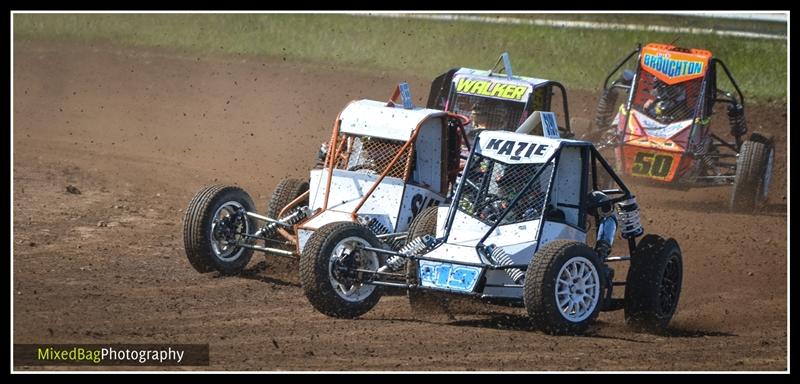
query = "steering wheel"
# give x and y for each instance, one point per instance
(471, 184)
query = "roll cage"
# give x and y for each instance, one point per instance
(709, 95)
(443, 92)
(400, 156)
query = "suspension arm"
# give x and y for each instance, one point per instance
(267, 219)
(412, 257)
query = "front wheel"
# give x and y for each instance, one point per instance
(213, 226)
(328, 270)
(563, 287)
(753, 174)
(653, 285)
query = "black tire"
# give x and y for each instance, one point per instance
(423, 302)
(285, 192)
(423, 224)
(601, 130)
(197, 232)
(653, 284)
(753, 174)
(539, 290)
(315, 269)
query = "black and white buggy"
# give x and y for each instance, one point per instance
(517, 231)
(497, 98)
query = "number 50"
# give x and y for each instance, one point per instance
(648, 163)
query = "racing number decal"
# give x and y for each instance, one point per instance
(418, 203)
(651, 164)
(448, 276)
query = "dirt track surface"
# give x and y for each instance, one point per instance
(138, 132)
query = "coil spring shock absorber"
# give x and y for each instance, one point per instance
(293, 218)
(499, 256)
(628, 215)
(379, 229)
(607, 222)
(707, 161)
(376, 227)
(737, 119)
(414, 247)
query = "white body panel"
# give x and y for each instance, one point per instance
(415, 199)
(559, 231)
(347, 189)
(656, 129)
(393, 203)
(565, 194)
(428, 147)
(376, 119)
(515, 148)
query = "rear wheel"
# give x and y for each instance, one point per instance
(653, 285)
(285, 192)
(604, 115)
(335, 291)
(213, 224)
(563, 287)
(423, 224)
(753, 174)
(602, 132)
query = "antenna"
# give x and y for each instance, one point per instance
(675, 41)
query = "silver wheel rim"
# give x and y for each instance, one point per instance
(577, 289)
(364, 260)
(223, 250)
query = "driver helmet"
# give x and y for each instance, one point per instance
(486, 115)
(667, 99)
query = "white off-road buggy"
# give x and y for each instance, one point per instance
(516, 232)
(386, 163)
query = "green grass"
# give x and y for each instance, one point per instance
(668, 20)
(579, 58)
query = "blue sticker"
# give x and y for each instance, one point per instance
(672, 68)
(448, 276)
(550, 125)
(405, 95)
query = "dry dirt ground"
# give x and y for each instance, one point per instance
(138, 132)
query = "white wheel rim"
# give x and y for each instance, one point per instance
(365, 260)
(577, 289)
(223, 251)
